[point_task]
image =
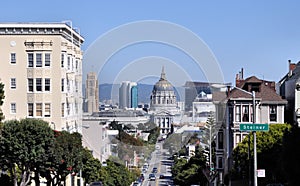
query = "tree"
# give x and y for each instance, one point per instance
(116, 174)
(66, 157)
(291, 156)
(25, 146)
(269, 154)
(189, 172)
(1, 100)
(91, 167)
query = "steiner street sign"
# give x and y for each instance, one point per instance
(254, 127)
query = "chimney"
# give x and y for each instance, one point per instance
(239, 78)
(292, 66)
(228, 90)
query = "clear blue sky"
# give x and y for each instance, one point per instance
(259, 36)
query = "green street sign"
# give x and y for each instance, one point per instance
(254, 127)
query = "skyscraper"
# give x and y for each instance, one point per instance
(128, 95)
(91, 103)
(41, 68)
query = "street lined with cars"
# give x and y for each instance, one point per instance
(158, 169)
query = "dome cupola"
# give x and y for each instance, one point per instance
(163, 84)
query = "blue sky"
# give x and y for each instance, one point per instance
(260, 36)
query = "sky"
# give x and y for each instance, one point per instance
(192, 40)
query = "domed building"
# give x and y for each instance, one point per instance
(163, 95)
(163, 104)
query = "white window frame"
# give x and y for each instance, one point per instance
(69, 62)
(63, 113)
(245, 110)
(30, 108)
(238, 118)
(13, 58)
(62, 62)
(13, 83)
(38, 109)
(38, 60)
(38, 85)
(30, 59)
(47, 110)
(47, 60)
(30, 86)
(47, 84)
(13, 108)
(276, 113)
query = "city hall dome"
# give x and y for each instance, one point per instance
(163, 84)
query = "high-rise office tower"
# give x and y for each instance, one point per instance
(91, 93)
(128, 95)
(41, 68)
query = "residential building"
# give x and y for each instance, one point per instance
(91, 101)
(41, 68)
(269, 107)
(128, 95)
(289, 88)
(97, 137)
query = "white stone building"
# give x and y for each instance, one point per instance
(41, 68)
(163, 104)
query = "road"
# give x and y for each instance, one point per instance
(163, 165)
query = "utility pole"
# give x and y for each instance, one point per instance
(254, 134)
(254, 140)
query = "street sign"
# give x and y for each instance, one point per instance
(261, 173)
(254, 127)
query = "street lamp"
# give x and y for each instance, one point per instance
(254, 132)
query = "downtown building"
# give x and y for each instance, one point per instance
(192, 90)
(128, 95)
(91, 101)
(41, 68)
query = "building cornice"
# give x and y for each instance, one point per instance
(62, 29)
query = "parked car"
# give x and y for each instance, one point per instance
(162, 176)
(136, 183)
(98, 183)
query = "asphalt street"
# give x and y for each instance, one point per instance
(159, 159)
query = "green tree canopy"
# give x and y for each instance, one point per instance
(91, 167)
(291, 155)
(269, 153)
(189, 172)
(25, 145)
(66, 157)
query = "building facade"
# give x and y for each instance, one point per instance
(97, 137)
(41, 68)
(128, 95)
(192, 90)
(289, 88)
(163, 104)
(91, 101)
(203, 106)
(269, 108)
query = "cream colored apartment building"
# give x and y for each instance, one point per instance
(41, 68)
